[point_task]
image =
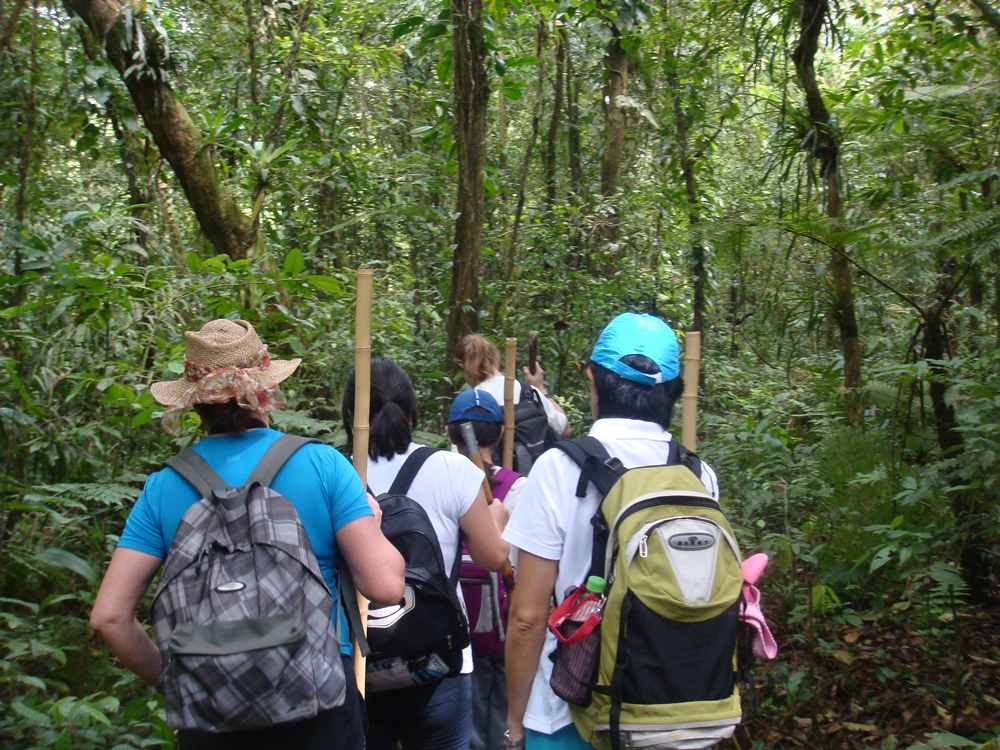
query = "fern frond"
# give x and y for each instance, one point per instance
(969, 227)
(89, 493)
(300, 423)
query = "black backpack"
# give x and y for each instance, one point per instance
(532, 434)
(419, 639)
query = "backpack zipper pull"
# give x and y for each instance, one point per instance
(643, 546)
(201, 558)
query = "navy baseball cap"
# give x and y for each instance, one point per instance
(632, 333)
(463, 407)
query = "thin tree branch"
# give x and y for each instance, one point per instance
(864, 271)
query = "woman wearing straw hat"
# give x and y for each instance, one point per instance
(232, 383)
(449, 488)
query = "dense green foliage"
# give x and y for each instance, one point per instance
(331, 125)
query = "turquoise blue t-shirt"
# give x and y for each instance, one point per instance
(317, 480)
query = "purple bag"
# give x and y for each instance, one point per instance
(484, 593)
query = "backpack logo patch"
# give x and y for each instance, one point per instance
(230, 587)
(688, 542)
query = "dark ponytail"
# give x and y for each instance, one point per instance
(392, 412)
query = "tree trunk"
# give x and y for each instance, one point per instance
(574, 158)
(522, 183)
(173, 131)
(9, 23)
(133, 160)
(552, 136)
(16, 458)
(825, 147)
(573, 149)
(990, 14)
(974, 554)
(471, 96)
(687, 163)
(616, 85)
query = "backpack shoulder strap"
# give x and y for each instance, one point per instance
(504, 479)
(275, 457)
(408, 471)
(197, 472)
(348, 594)
(596, 465)
(678, 455)
(528, 393)
(401, 485)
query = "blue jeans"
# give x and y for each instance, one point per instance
(426, 717)
(489, 702)
(566, 738)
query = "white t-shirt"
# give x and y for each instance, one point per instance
(446, 486)
(495, 385)
(549, 521)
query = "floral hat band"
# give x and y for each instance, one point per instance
(224, 360)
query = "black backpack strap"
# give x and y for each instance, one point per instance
(275, 457)
(408, 471)
(197, 472)
(597, 466)
(678, 455)
(401, 485)
(528, 393)
(349, 601)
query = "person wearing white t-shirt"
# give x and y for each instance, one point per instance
(449, 487)
(634, 375)
(479, 361)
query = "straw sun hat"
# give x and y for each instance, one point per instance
(224, 360)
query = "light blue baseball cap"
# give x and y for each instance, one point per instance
(632, 333)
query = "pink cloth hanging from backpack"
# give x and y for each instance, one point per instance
(764, 645)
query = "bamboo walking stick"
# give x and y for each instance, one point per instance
(361, 427)
(692, 361)
(508, 404)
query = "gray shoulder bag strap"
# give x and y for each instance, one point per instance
(196, 470)
(274, 458)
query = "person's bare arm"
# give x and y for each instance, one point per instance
(536, 580)
(481, 526)
(376, 566)
(113, 614)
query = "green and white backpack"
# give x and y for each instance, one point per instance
(667, 665)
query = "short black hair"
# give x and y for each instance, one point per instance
(487, 433)
(620, 397)
(228, 416)
(392, 411)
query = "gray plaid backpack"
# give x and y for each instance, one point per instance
(242, 615)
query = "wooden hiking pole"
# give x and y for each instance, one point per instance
(692, 361)
(508, 404)
(532, 351)
(361, 427)
(472, 448)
